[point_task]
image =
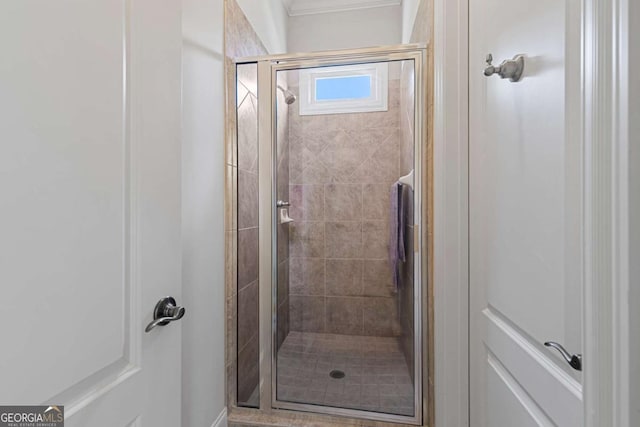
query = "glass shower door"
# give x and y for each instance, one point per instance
(346, 332)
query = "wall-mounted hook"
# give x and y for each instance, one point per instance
(509, 68)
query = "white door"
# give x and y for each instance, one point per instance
(525, 215)
(90, 208)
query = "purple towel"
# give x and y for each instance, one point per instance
(396, 238)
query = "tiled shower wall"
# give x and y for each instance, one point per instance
(241, 218)
(283, 229)
(248, 285)
(341, 170)
(248, 257)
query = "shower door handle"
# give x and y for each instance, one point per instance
(282, 204)
(575, 360)
(166, 311)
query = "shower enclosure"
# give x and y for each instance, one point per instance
(330, 261)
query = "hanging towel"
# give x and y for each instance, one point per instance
(396, 238)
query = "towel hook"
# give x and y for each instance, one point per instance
(509, 68)
(407, 179)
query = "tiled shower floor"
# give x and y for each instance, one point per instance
(376, 374)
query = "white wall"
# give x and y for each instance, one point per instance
(409, 12)
(378, 26)
(269, 19)
(203, 374)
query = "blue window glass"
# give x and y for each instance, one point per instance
(350, 87)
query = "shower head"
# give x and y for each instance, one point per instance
(289, 97)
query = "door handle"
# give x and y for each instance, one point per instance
(166, 311)
(575, 360)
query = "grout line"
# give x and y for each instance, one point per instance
(251, 338)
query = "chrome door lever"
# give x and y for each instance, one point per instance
(509, 68)
(575, 360)
(282, 204)
(166, 311)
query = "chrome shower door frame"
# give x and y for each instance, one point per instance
(268, 68)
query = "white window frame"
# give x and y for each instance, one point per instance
(378, 101)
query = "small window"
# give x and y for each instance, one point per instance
(352, 87)
(344, 89)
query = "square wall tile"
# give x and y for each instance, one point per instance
(382, 166)
(378, 279)
(344, 315)
(306, 239)
(306, 313)
(307, 276)
(375, 237)
(307, 202)
(342, 153)
(376, 201)
(343, 202)
(381, 317)
(343, 239)
(344, 277)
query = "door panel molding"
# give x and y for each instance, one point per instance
(96, 388)
(74, 193)
(92, 198)
(515, 390)
(534, 370)
(96, 408)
